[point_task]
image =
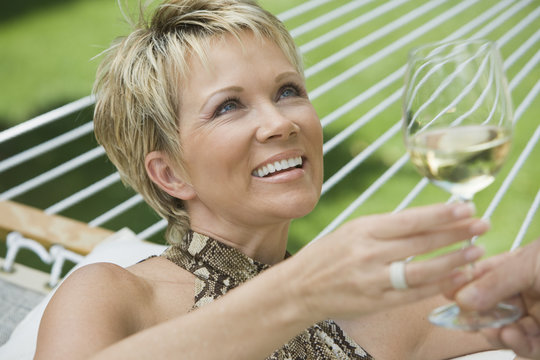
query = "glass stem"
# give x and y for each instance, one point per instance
(470, 266)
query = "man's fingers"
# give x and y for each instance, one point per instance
(492, 286)
(513, 337)
(530, 326)
(492, 262)
(461, 277)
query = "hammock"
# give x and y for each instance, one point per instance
(60, 197)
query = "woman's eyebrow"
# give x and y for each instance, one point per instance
(285, 75)
(234, 88)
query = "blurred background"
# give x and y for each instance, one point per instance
(49, 48)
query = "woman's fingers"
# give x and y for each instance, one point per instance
(367, 246)
(433, 270)
(417, 220)
(423, 278)
(412, 294)
(426, 242)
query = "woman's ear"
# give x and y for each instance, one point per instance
(163, 174)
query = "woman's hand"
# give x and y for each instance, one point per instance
(346, 273)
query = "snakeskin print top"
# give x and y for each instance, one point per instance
(219, 268)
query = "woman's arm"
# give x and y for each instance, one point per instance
(405, 333)
(440, 343)
(95, 313)
(343, 275)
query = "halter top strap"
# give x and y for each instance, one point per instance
(219, 268)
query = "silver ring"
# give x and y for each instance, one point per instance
(397, 275)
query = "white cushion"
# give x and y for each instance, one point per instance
(122, 248)
(490, 355)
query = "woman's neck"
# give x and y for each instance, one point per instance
(266, 244)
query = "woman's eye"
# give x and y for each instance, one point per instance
(290, 90)
(229, 105)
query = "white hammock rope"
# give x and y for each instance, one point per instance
(396, 45)
(502, 18)
(53, 173)
(524, 154)
(351, 25)
(83, 194)
(326, 18)
(527, 222)
(356, 125)
(46, 146)
(46, 118)
(41, 180)
(388, 88)
(369, 39)
(517, 115)
(301, 9)
(398, 74)
(152, 230)
(403, 160)
(117, 210)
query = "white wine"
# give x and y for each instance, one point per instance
(462, 160)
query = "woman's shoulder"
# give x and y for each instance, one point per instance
(107, 279)
(142, 278)
(167, 287)
(94, 302)
(106, 302)
(145, 285)
(97, 289)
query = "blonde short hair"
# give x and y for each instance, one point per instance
(139, 83)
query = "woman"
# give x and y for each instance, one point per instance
(204, 111)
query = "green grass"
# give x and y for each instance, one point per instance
(47, 56)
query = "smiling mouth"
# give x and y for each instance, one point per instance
(278, 166)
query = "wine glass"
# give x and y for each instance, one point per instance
(457, 125)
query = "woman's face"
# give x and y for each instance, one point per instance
(244, 115)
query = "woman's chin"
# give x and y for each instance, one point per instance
(298, 208)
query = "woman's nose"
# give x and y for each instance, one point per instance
(275, 124)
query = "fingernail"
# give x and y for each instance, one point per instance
(463, 210)
(473, 253)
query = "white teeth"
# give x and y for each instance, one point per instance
(277, 166)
